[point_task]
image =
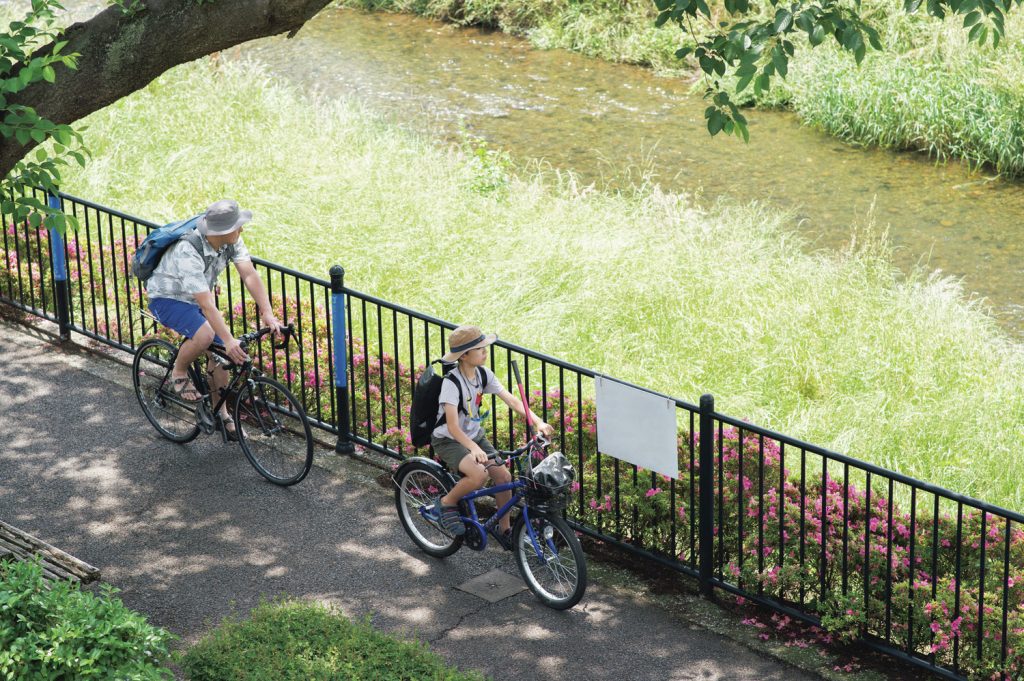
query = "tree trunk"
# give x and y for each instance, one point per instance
(121, 54)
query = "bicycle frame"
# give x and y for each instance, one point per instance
(240, 375)
(239, 378)
(484, 527)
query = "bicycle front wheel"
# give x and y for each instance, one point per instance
(173, 418)
(273, 431)
(558, 574)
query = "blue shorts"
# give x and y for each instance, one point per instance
(185, 318)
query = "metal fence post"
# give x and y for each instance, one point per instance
(60, 275)
(344, 444)
(706, 508)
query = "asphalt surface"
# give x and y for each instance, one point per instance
(191, 533)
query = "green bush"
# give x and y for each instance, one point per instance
(55, 631)
(298, 640)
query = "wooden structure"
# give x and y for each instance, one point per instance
(16, 544)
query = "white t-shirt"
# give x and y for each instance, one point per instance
(472, 399)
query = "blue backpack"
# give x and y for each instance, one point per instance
(147, 256)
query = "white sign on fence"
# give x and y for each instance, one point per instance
(637, 426)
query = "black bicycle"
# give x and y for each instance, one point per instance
(269, 423)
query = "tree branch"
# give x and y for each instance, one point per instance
(121, 54)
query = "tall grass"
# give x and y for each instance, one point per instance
(928, 90)
(838, 349)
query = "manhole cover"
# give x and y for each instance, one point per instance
(493, 586)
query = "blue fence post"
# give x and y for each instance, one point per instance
(706, 508)
(344, 444)
(60, 275)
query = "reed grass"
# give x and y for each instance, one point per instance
(929, 91)
(835, 348)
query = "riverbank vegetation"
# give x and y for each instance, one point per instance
(838, 349)
(926, 90)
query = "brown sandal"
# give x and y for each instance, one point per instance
(183, 388)
(228, 426)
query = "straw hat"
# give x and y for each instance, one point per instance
(466, 338)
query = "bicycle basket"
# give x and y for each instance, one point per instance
(549, 480)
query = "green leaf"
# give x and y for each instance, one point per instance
(22, 135)
(741, 129)
(715, 120)
(783, 20)
(817, 35)
(972, 18)
(780, 61)
(873, 37)
(762, 83)
(936, 9)
(48, 74)
(40, 155)
(859, 52)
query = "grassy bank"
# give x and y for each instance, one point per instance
(927, 91)
(836, 349)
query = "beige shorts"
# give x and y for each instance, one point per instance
(452, 453)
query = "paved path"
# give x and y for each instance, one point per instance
(191, 532)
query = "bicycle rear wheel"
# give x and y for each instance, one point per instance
(273, 431)
(417, 486)
(558, 576)
(173, 417)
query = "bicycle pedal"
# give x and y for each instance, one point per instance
(205, 419)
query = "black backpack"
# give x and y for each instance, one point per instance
(426, 398)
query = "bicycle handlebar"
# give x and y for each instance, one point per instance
(252, 337)
(502, 456)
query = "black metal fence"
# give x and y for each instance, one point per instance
(913, 570)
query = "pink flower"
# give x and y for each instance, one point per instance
(652, 492)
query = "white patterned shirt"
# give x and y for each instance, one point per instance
(182, 272)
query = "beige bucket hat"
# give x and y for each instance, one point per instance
(466, 338)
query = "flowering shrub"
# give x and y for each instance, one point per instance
(25, 266)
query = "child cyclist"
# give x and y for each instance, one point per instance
(459, 438)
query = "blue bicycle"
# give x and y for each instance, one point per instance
(547, 552)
